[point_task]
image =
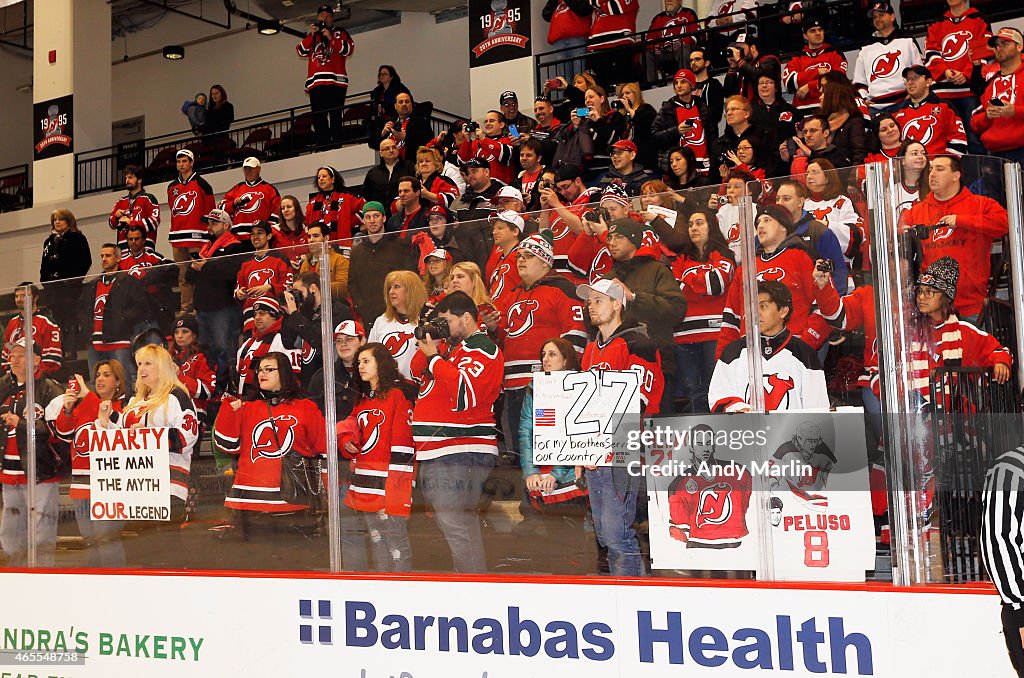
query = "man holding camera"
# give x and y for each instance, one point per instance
(453, 424)
(490, 142)
(747, 65)
(302, 304)
(999, 120)
(961, 225)
(563, 200)
(326, 47)
(682, 119)
(815, 145)
(408, 130)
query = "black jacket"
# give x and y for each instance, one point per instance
(215, 282)
(761, 138)
(126, 306)
(417, 133)
(346, 395)
(373, 261)
(12, 399)
(65, 256)
(308, 328)
(380, 186)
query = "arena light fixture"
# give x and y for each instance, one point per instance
(268, 26)
(174, 52)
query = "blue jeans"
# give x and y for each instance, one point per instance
(14, 523)
(353, 534)
(219, 331)
(102, 537)
(452, 486)
(514, 416)
(389, 541)
(613, 494)
(695, 363)
(575, 49)
(121, 355)
(885, 108)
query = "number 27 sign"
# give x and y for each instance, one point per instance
(581, 418)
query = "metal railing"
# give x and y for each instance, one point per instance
(275, 135)
(14, 189)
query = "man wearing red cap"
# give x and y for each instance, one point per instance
(681, 121)
(625, 169)
(1001, 127)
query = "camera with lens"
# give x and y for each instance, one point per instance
(545, 184)
(726, 160)
(437, 328)
(731, 53)
(922, 231)
(617, 105)
(471, 127)
(298, 295)
(596, 215)
(825, 266)
(320, 25)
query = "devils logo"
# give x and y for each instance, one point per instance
(520, 317)
(273, 438)
(885, 65)
(397, 343)
(920, 129)
(773, 273)
(714, 507)
(184, 203)
(369, 423)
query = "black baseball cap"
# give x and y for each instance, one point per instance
(885, 7)
(919, 69)
(325, 8)
(811, 22)
(569, 173)
(477, 163)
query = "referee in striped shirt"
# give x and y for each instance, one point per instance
(1002, 545)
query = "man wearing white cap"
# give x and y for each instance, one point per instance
(501, 271)
(1001, 127)
(251, 200)
(619, 345)
(190, 198)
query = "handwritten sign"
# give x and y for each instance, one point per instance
(130, 474)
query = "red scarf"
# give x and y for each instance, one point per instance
(209, 249)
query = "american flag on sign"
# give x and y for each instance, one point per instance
(545, 417)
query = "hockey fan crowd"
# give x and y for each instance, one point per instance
(601, 233)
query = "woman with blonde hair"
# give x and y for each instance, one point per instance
(160, 401)
(66, 256)
(641, 120)
(437, 187)
(466, 277)
(404, 298)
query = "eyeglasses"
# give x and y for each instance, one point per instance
(267, 370)
(927, 292)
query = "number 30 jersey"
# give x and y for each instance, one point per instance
(710, 512)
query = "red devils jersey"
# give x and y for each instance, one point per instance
(338, 210)
(74, 429)
(384, 467)
(878, 73)
(854, 311)
(527, 180)
(954, 44)
(614, 23)
(260, 202)
(326, 59)
(532, 316)
(445, 189)
(566, 23)
(564, 237)
(502, 274)
(979, 222)
(99, 307)
(665, 26)
(137, 265)
(695, 136)
(791, 373)
(143, 209)
(46, 336)
(792, 267)
(1001, 134)
(934, 124)
(269, 268)
(199, 380)
(710, 511)
(497, 152)
(704, 284)
(189, 201)
(629, 348)
(261, 435)
(454, 412)
(805, 69)
(258, 345)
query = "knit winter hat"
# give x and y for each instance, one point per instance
(188, 322)
(779, 214)
(942, 275)
(631, 229)
(268, 304)
(540, 245)
(616, 192)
